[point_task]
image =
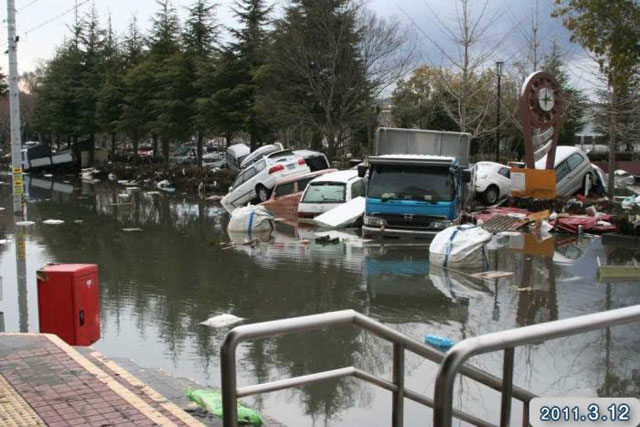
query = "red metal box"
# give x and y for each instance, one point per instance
(69, 302)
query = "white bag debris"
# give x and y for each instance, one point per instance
(24, 223)
(165, 185)
(131, 230)
(53, 221)
(461, 245)
(250, 219)
(343, 215)
(222, 321)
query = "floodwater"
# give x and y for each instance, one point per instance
(158, 284)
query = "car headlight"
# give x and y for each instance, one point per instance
(374, 221)
(441, 225)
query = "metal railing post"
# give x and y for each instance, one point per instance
(507, 387)
(229, 381)
(397, 416)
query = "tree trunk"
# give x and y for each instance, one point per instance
(199, 149)
(612, 145)
(165, 150)
(331, 145)
(253, 138)
(155, 146)
(134, 142)
(92, 148)
(113, 145)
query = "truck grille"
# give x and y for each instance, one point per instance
(408, 221)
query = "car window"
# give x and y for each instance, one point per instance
(302, 184)
(240, 179)
(357, 189)
(562, 170)
(285, 189)
(506, 172)
(250, 173)
(259, 167)
(574, 161)
(325, 192)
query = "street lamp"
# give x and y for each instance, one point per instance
(499, 67)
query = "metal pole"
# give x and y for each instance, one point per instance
(14, 108)
(507, 386)
(229, 381)
(498, 115)
(397, 417)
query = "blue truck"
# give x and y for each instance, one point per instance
(416, 182)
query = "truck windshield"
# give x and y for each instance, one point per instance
(404, 182)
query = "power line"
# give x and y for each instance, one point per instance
(50, 20)
(55, 18)
(27, 5)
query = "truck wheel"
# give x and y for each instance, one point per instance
(263, 193)
(491, 195)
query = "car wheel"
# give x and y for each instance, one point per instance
(491, 195)
(263, 193)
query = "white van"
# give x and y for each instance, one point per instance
(573, 170)
(236, 154)
(329, 191)
(257, 181)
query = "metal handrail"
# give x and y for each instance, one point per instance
(231, 392)
(454, 360)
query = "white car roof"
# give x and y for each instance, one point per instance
(562, 153)
(340, 176)
(239, 149)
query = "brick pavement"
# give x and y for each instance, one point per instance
(64, 388)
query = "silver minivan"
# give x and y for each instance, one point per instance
(573, 170)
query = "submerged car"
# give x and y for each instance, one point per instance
(574, 171)
(329, 191)
(287, 193)
(257, 180)
(492, 181)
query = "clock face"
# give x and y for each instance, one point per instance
(546, 99)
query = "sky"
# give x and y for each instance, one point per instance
(44, 24)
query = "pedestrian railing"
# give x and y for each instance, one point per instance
(454, 361)
(231, 392)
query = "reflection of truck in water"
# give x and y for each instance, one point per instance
(416, 182)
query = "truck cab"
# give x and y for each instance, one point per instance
(421, 189)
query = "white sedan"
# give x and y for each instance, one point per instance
(492, 181)
(257, 180)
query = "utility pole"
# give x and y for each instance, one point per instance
(14, 109)
(499, 66)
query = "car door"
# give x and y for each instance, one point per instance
(244, 192)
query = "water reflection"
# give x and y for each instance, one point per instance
(158, 284)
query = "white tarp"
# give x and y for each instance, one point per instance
(343, 215)
(461, 245)
(250, 219)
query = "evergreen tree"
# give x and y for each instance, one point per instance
(168, 107)
(88, 87)
(199, 37)
(137, 79)
(317, 71)
(110, 94)
(250, 49)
